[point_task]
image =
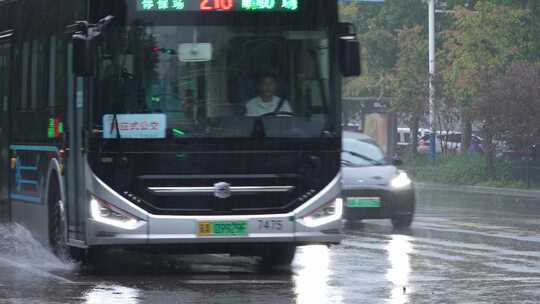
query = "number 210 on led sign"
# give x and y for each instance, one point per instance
(217, 5)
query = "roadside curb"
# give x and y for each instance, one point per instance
(534, 194)
(478, 198)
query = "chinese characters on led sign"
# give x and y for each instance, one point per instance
(218, 5)
(151, 5)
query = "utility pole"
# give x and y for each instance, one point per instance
(432, 71)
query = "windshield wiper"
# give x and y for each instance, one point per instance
(371, 160)
(115, 125)
(348, 163)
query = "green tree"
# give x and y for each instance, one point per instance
(399, 14)
(410, 79)
(480, 47)
(377, 25)
(517, 94)
(381, 49)
(379, 57)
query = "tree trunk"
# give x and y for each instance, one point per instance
(531, 5)
(415, 125)
(490, 154)
(466, 130)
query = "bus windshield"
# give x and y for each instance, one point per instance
(168, 81)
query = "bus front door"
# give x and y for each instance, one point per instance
(4, 130)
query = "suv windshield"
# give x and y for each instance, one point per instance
(212, 81)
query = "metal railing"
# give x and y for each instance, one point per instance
(527, 171)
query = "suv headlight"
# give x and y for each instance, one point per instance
(328, 213)
(105, 213)
(401, 181)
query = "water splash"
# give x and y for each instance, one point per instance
(17, 245)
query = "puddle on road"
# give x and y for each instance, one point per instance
(17, 246)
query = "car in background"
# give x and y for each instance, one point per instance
(424, 144)
(404, 139)
(448, 142)
(373, 187)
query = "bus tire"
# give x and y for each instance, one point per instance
(276, 256)
(57, 223)
(97, 261)
(94, 256)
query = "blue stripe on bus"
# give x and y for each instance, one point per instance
(34, 148)
(26, 198)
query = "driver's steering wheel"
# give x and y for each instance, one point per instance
(279, 113)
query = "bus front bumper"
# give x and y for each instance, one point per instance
(318, 221)
(172, 230)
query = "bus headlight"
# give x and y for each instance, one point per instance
(401, 181)
(328, 213)
(105, 213)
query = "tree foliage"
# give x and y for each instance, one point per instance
(410, 79)
(482, 44)
(380, 49)
(478, 45)
(517, 96)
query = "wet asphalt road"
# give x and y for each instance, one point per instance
(451, 255)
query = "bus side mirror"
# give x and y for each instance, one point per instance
(350, 61)
(85, 45)
(83, 65)
(350, 58)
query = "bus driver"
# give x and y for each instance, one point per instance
(267, 102)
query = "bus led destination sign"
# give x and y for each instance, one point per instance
(217, 5)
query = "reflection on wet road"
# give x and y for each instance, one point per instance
(449, 256)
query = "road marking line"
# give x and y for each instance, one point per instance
(35, 271)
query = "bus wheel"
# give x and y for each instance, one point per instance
(57, 224)
(281, 255)
(97, 260)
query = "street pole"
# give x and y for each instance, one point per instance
(432, 67)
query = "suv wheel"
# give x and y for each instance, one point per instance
(402, 221)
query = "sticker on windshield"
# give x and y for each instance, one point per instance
(134, 126)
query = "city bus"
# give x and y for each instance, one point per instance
(130, 124)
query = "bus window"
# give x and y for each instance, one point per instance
(141, 71)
